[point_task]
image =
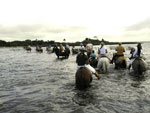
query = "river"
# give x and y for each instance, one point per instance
(41, 83)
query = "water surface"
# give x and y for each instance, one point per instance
(41, 83)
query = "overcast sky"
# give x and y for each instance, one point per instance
(74, 20)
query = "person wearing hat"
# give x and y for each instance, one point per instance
(82, 60)
(120, 50)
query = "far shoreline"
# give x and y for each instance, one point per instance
(53, 43)
(63, 44)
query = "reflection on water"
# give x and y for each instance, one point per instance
(41, 83)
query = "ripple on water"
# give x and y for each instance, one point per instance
(41, 83)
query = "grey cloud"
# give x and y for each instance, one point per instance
(139, 31)
(23, 31)
(62, 29)
(139, 26)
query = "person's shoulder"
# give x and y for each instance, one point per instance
(105, 47)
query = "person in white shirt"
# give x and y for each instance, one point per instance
(67, 46)
(102, 50)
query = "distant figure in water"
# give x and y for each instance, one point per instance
(28, 48)
(49, 49)
(40, 47)
(67, 46)
(37, 47)
(49, 46)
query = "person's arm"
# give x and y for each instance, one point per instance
(77, 59)
(135, 53)
(141, 52)
(116, 48)
(98, 50)
(131, 56)
(123, 49)
(142, 55)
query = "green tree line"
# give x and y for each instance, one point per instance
(52, 43)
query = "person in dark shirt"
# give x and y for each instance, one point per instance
(82, 60)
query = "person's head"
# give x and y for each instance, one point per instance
(139, 45)
(81, 44)
(102, 43)
(120, 43)
(55, 45)
(132, 50)
(82, 49)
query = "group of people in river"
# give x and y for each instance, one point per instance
(38, 48)
(87, 52)
(86, 56)
(102, 52)
(49, 48)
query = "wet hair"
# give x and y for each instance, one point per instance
(132, 50)
(102, 44)
(139, 47)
